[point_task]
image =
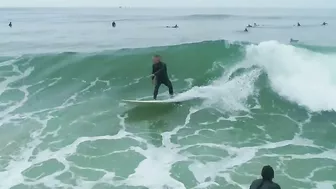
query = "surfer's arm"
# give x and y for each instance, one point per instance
(153, 72)
(165, 68)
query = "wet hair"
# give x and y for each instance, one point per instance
(156, 56)
(267, 173)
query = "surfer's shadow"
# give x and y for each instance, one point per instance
(147, 113)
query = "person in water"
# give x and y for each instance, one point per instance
(267, 174)
(10, 24)
(249, 26)
(246, 30)
(176, 26)
(298, 24)
(293, 40)
(324, 23)
(113, 24)
(160, 76)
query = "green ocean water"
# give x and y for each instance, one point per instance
(245, 105)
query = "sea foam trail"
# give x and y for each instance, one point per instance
(299, 75)
(225, 93)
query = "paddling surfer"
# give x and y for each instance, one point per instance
(160, 76)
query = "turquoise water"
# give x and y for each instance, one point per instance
(250, 98)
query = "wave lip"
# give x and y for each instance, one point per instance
(299, 75)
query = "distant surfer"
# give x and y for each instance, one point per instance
(324, 23)
(10, 24)
(160, 76)
(114, 24)
(246, 30)
(176, 26)
(249, 26)
(293, 40)
(255, 25)
(298, 24)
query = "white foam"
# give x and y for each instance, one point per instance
(159, 161)
(157, 165)
(301, 76)
(325, 185)
(225, 94)
(189, 82)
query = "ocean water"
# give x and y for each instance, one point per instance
(250, 99)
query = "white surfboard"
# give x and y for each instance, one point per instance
(139, 102)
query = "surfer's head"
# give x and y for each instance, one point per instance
(156, 59)
(267, 173)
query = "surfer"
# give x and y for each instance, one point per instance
(266, 182)
(113, 24)
(176, 26)
(160, 76)
(324, 23)
(298, 24)
(293, 40)
(246, 30)
(10, 24)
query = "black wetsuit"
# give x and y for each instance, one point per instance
(161, 77)
(264, 184)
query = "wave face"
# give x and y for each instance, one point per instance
(63, 124)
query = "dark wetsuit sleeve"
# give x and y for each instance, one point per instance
(252, 185)
(255, 184)
(278, 186)
(165, 69)
(152, 71)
